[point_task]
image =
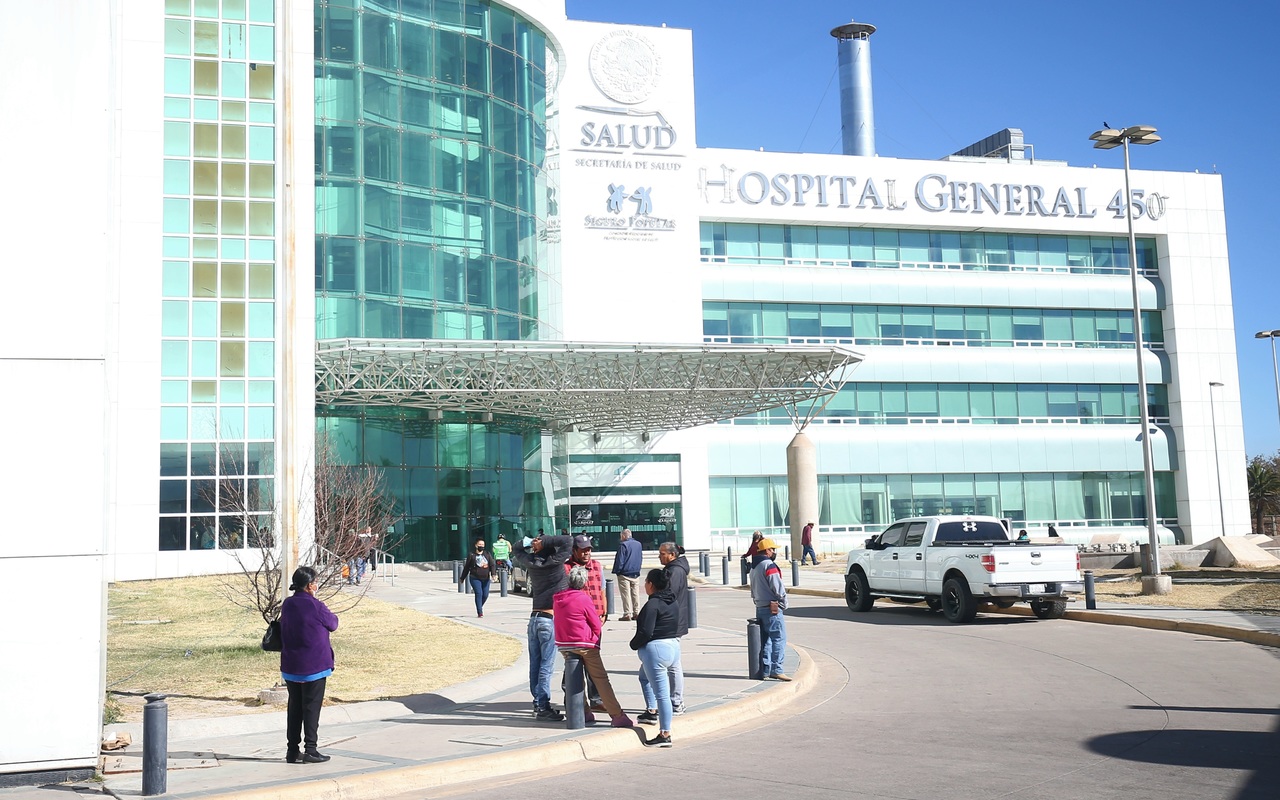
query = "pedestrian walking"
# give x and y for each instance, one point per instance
(544, 558)
(658, 645)
(306, 662)
(577, 629)
(502, 553)
(770, 597)
(478, 571)
(627, 564)
(806, 542)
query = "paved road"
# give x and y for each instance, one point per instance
(912, 707)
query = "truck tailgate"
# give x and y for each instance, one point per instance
(1035, 564)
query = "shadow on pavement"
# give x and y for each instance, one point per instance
(902, 615)
(1249, 751)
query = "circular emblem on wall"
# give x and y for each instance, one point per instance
(625, 66)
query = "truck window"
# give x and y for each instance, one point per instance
(893, 536)
(915, 533)
(970, 532)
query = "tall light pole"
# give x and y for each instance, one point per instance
(1272, 336)
(1106, 139)
(1217, 469)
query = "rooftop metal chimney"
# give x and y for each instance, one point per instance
(857, 118)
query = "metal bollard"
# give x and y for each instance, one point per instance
(755, 666)
(728, 551)
(724, 565)
(786, 552)
(609, 597)
(795, 572)
(704, 563)
(745, 571)
(155, 745)
(693, 608)
(466, 588)
(575, 692)
(1090, 601)
(457, 576)
(502, 583)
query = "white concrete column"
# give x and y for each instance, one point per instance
(802, 485)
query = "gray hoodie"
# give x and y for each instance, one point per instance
(546, 568)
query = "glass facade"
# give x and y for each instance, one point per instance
(954, 326)
(887, 248)
(873, 501)
(430, 188)
(218, 325)
(431, 210)
(871, 403)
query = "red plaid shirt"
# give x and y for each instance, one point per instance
(595, 582)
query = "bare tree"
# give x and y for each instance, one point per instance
(352, 512)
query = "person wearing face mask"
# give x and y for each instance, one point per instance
(479, 571)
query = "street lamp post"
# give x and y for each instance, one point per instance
(1217, 469)
(1106, 139)
(1274, 370)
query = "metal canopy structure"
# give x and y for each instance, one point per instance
(561, 386)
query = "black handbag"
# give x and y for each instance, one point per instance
(271, 639)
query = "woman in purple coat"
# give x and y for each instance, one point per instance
(306, 660)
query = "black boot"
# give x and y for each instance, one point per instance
(293, 756)
(314, 757)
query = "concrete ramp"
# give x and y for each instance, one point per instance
(1237, 551)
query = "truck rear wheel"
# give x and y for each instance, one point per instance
(857, 592)
(1049, 609)
(958, 604)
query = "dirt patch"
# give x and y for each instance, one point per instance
(182, 637)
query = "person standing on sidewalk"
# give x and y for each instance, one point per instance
(478, 570)
(806, 542)
(626, 565)
(306, 662)
(502, 553)
(659, 647)
(770, 597)
(578, 627)
(676, 566)
(544, 558)
(595, 590)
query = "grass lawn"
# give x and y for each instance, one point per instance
(181, 637)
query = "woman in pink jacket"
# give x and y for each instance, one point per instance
(577, 628)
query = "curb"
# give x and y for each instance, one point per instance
(595, 745)
(1247, 635)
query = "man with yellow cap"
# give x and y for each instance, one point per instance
(770, 597)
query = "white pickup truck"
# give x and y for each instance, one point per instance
(957, 563)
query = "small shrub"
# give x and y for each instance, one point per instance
(112, 713)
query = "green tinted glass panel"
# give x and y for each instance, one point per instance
(262, 43)
(261, 422)
(173, 318)
(231, 422)
(261, 359)
(173, 391)
(261, 320)
(173, 423)
(177, 177)
(174, 281)
(262, 392)
(234, 78)
(177, 215)
(204, 359)
(177, 139)
(173, 359)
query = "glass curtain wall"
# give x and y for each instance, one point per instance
(430, 198)
(218, 322)
(873, 501)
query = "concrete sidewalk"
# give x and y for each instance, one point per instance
(480, 729)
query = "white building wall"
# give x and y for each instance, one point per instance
(65, 190)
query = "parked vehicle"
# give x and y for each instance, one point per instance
(956, 563)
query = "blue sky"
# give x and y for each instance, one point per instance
(947, 74)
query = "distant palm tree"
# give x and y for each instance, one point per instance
(1264, 490)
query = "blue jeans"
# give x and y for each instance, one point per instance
(480, 590)
(773, 635)
(675, 673)
(808, 553)
(656, 659)
(542, 660)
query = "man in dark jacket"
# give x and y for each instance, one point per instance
(544, 558)
(677, 568)
(626, 565)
